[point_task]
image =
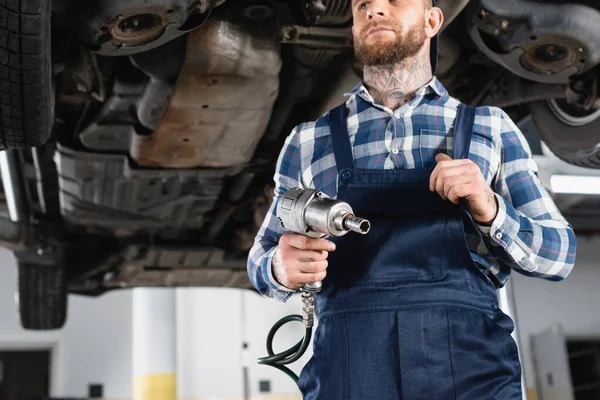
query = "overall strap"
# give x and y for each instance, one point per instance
(342, 149)
(463, 128)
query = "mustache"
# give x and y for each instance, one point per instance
(386, 25)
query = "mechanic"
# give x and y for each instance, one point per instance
(410, 310)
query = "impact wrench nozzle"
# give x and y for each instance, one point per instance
(356, 224)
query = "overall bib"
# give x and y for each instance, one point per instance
(404, 312)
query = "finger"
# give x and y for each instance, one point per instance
(298, 279)
(450, 168)
(441, 168)
(311, 255)
(456, 193)
(312, 278)
(303, 242)
(457, 172)
(452, 181)
(312, 267)
(442, 157)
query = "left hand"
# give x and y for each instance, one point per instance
(462, 179)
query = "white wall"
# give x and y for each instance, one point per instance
(211, 329)
(94, 346)
(574, 302)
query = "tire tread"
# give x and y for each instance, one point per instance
(24, 73)
(42, 296)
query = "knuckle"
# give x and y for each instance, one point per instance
(324, 244)
(306, 242)
(288, 240)
(316, 267)
(284, 250)
(319, 266)
(283, 240)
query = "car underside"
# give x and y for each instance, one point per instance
(141, 137)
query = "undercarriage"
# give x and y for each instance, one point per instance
(167, 118)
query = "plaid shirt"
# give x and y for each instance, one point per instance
(529, 234)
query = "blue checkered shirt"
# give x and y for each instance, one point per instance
(528, 235)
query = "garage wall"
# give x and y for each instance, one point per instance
(94, 346)
(573, 303)
(213, 325)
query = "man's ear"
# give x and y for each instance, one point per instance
(353, 30)
(434, 21)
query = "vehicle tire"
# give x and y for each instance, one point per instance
(572, 133)
(25, 73)
(42, 296)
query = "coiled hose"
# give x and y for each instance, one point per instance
(295, 352)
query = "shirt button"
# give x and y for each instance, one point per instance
(395, 151)
(346, 175)
(499, 235)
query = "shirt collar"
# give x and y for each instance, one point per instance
(434, 85)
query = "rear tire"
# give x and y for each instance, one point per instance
(25, 73)
(572, 134)
(42, 296)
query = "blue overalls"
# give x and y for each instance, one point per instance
(404, 312)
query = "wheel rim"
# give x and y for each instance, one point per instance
(570, 114)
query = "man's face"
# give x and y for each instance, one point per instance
(388, 31)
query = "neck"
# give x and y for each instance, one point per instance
(395, 85)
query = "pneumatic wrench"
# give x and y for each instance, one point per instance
(312, 213)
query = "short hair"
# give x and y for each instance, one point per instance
(427, 4)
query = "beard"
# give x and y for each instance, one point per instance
(390, 52)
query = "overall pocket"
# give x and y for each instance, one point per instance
(397, 250)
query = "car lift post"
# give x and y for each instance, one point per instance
(154, 344)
